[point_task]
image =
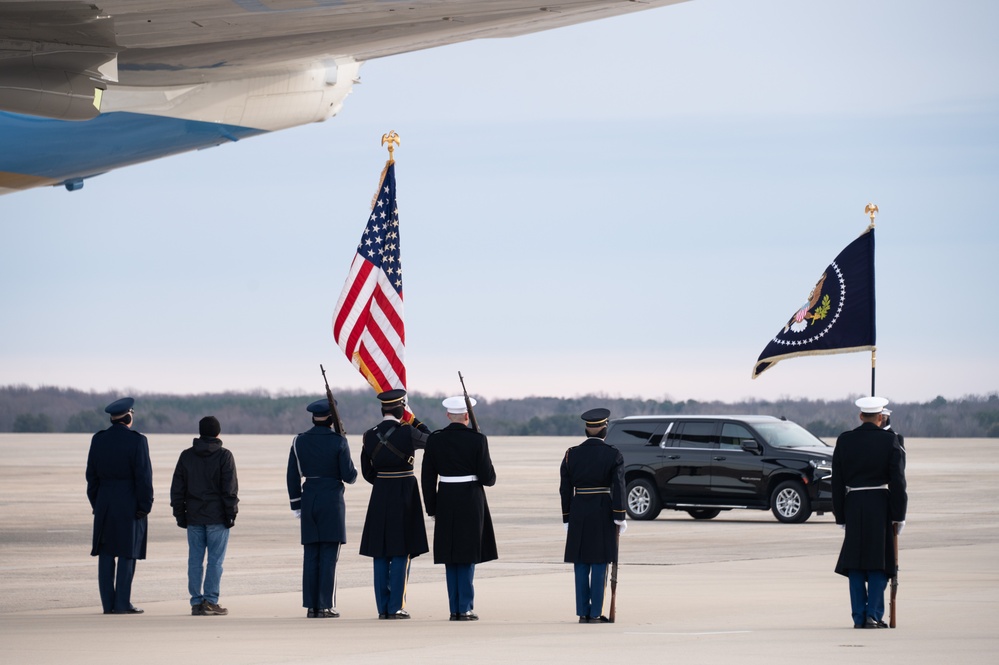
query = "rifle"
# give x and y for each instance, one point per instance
(613, 604)
(468, 404)
(337, 423)
(894, 578)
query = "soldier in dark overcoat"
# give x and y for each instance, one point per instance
(394, 531)
(456, 466)
(322, 458)
(869, 502)
(593, 511)
(120, 490)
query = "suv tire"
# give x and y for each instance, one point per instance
(703, 513)
(789, 503)
(642, 500)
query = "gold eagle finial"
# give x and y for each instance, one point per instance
(870, 209)
(391, 138)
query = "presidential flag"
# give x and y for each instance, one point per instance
(838, 315)
(368, 320)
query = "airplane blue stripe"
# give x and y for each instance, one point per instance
(60, 149)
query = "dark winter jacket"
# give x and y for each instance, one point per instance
(204, 485)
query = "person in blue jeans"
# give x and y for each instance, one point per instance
(204, 499)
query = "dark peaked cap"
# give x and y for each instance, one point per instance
(596, 417)
(319, 408)
(120, 406)
(391, 398)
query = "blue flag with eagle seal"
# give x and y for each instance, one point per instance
(838, 315)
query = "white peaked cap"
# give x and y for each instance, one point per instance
(457, 404)
(871, 404)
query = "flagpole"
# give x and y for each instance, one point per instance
(872, 211)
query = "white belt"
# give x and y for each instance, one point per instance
(858, 489)
(459, 479)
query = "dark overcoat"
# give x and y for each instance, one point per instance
(322, 457)
(463, 528)
(119, 485)
(393, 525)
(868, 457)
(587, 471)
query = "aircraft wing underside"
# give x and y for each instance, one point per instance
(211, 70)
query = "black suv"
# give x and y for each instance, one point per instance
(706, 464)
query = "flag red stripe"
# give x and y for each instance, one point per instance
(391, 355)
(348, 303)
(391, 313)
(373, 367)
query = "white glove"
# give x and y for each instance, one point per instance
(899, 526)
(842, 526)
(298, 513)
(566, 525)
(622, 526)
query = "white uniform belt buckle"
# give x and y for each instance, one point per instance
(592, 490)
(859, 489)
(459, 479)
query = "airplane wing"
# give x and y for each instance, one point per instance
(88, 87)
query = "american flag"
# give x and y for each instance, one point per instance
(368, 319)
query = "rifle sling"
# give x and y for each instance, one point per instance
(383, 440)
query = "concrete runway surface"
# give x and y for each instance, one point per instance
(739, 588)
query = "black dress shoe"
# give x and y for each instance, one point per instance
(383, 616)
(873, 623)
(584, 619)
(313, 614)
(132, 609)
(330, 614)
(454, 616)
(401, 614)
(599, 619)
(468, 616)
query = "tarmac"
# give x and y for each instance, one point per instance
(741, 587)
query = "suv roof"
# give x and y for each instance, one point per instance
(746, 418)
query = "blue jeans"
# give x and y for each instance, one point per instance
(213, 538)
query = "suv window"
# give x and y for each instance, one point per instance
(732, 436)
(694, 435)
(638, 434)
(785, 434)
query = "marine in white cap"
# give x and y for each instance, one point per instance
(456, 468)
(869, 502)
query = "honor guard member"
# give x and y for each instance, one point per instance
(456, 466)
(592, 491)
(394, 531)
(886, 425)
(322, 458)
(120, 489)
(869, 500)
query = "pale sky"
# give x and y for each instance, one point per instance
(631, 207)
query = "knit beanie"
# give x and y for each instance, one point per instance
(209, 427)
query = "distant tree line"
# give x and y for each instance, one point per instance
(50, 409)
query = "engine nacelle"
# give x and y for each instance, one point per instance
(50, 93)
